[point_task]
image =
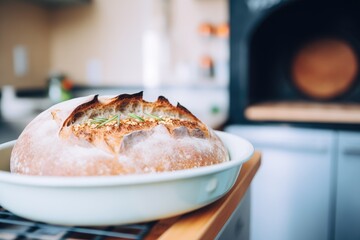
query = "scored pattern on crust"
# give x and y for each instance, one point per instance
(115, 135)
(122, 103)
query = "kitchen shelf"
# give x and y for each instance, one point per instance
(304, 112)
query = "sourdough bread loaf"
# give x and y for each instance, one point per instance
(93, 136)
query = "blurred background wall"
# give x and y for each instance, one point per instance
(110, 42)
(24, 30)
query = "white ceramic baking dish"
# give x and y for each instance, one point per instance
(97, 201)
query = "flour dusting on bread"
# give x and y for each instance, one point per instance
(115, 136)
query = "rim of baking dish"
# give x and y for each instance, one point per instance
(243, 148)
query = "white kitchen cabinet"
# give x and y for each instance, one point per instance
(347, 225)
(238, 225)
(291, 195)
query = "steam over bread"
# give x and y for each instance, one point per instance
(92, 136)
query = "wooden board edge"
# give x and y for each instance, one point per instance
(206, 222)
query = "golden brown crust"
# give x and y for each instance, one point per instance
(124, 101)
(115, 136)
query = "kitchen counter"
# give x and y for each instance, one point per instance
(18, 108)
(8, 132)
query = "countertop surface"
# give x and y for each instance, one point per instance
(208, 104)
(8, 132)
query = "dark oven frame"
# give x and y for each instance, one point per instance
(259, 63)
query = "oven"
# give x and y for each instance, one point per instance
(295, 94)
(295, 61)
